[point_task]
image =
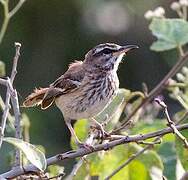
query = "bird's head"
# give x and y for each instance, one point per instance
(107, 56)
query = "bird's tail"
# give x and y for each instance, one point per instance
(35, 98)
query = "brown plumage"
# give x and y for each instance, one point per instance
(86, 88)
(64, 84)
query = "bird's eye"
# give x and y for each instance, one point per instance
(106, 51)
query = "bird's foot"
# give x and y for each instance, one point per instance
(102, 133)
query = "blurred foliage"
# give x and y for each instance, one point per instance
(2, 68)
(102, 164)
(171, 33)
(55, 170)
(56, 31)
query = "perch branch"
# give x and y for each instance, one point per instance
(116, 140)
(180, 63)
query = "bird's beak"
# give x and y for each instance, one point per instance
(125, 49)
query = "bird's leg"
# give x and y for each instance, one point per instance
(75, 137)
(100, 127)
(73, 134)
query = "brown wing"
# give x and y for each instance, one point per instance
(66, 83)
(35, 98)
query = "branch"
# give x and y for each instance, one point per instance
(180, 63)
(2, 107)
(8, 15)
(116, 140)
(75, 169)
(17, 124)
(6, 19)
(16, 8)
(8, 83)
(171, 124)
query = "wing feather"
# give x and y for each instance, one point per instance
(66, 83)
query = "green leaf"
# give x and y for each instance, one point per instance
(182, 152)
(33, 154)
(2, 68)
(167, 153)
(115, 108)
(105, 163)
(55, 170)
(143, 127)
(102, 164)
(149, 158)
(170, 33)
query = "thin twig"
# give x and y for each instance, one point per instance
(89, 141)
(182, 102)
(75, 169)
(83, 151)
(134, 156)
(182, 118)
(10, 117)
(5, 114)
(17, 124)
(15, 61)
(14, 99)
(16, 8)
(160, 86)
(171, 124)
(6, 19)
(8, 15)
(15, 105)
(8, 95)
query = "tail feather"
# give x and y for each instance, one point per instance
(35, 98)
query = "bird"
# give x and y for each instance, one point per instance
(86, 88)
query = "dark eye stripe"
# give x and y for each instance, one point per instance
(104, 51)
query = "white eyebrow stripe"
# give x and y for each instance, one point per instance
(106, 46)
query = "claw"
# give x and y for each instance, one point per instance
(104, 133)
(99, 126)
